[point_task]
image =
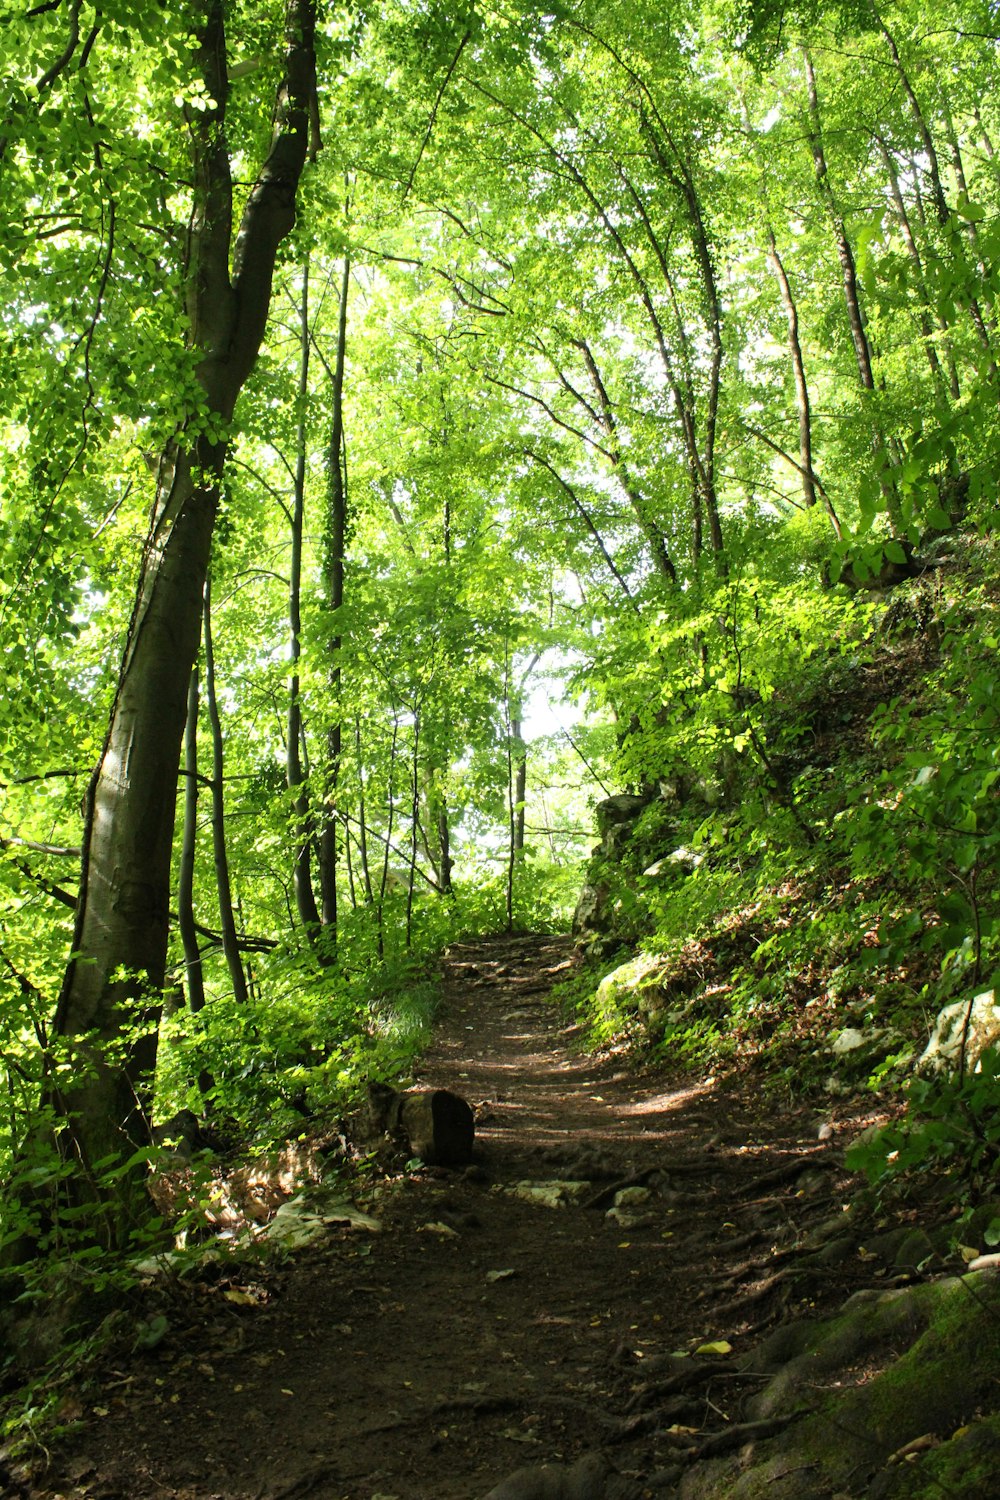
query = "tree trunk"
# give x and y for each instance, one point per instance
(185, 884)
(609, 423)
(852, 297)
(845, 253)
(520, 784)
(108, 1010)
(305, 897)
(223, 884)
(799, 371)
(366, 874)
(336, 533)
(941, 209)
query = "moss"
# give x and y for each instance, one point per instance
(920, 1362)
(939, 1381)
(937, 1384)
(967, 1466)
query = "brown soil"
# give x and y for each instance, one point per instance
(477, 1332)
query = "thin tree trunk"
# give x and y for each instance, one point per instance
(588, 521)
(305, 897)
(194, 974)
(391, 809)
(652, 533)
(227, 917)
(414, 826)
(983, 135)
(913, 252)
(941, 208)
(798, 370)
(335, 540)
(520, 783)
(512, 850)
(366, 873)
(845, 254)
(108, 1010)
(852, 297)
(349, 863)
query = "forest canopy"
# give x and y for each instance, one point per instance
(418, 424)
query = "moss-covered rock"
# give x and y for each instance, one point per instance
(898, 1395)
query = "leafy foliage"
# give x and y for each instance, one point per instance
(618, 366)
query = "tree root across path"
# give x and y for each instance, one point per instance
(558, 1299)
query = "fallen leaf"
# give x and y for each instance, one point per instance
(492, 1276)
(717, 1346)
(445, 1230)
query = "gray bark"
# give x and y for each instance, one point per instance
(108, 1010)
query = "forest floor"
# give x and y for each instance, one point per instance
(480, 1328)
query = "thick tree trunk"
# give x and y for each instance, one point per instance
(108, 1010)
(445, 863)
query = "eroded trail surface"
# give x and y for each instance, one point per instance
(503, 1316)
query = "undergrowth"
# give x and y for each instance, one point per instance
(815, 869)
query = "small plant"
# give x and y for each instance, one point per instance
(952, 1127)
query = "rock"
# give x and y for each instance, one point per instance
(637, 985)
(590, 911)
(627, 1218)
(848, 1040)
(632, 1197)
(438, 1125)
(623, 808)
(684, 860)
(989, 1262)
(587, 1479)
(181, 1135)
(553, 1194)
(295, 1225)
(977, 1022)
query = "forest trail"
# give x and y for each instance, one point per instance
(478, 1331)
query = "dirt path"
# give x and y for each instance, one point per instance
(478, 1331)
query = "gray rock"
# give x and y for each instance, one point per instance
(587, 1479)
(975, 1022)
(623, 808)
(848, 1040)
